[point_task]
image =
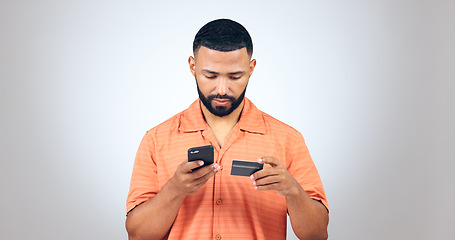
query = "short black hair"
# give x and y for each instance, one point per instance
(223, 35)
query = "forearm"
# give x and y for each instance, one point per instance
(309, 218)
(153, 219)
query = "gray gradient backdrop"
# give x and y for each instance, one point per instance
(370, 84)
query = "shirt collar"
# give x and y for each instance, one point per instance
(251, 118)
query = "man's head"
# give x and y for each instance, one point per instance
(222, 65)
(223, 35)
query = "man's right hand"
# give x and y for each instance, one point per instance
(186, 182)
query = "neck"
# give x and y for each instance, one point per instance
(222, 126)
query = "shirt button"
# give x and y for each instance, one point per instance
(218, 236)
(218, 202)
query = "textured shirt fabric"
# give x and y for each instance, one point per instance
(227, 206)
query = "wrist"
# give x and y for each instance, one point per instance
(173, 190)
(295, 191)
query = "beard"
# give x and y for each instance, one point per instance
(220, 111)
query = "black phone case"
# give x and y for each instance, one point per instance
(204, 153)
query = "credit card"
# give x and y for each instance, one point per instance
(245, 168)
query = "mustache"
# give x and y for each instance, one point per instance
(218, 96)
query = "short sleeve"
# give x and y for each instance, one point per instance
(302, 168)
(144, 183)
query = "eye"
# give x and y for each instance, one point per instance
(234, 77)
(211, 77)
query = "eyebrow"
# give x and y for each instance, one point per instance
(231, 73)
(235, 73)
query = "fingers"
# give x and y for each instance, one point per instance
(269, 180)
(273, 180)
(205, 175)
(276, 168)
(270, 161)
(201, 176)
(186, 181)
(187, 166)
(206, 172)
(275, 177)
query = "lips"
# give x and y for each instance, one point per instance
(221, 102)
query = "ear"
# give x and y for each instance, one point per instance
(192, 64)
(252, 66)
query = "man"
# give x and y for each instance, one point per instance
(167, 200)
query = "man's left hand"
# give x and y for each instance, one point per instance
(275, 178)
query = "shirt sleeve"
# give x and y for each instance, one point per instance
(302, 168)
(144, 179)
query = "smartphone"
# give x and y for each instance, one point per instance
(245, 168)
(204, 153)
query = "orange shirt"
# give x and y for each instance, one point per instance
(225, 207)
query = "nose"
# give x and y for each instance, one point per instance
(222, 86)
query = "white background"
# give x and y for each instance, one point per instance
(370, 84)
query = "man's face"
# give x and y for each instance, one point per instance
(221, 78)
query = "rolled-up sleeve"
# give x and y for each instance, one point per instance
(144, 179)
